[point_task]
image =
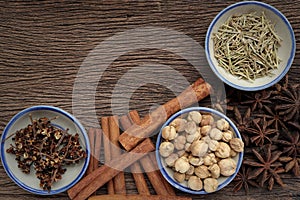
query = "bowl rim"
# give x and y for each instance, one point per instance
(16, 179)
(165, 173)
(266, 6)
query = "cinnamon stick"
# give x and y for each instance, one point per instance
(114, 133)
(138, 197)
(91, 134)
(160, 185)
(139, 179)
(137, 174)
(97, 150)
(125, 122)
(134, 117)
(89, 184)
(136, 133)
(168, 187)
(107, 152)
(153, 176)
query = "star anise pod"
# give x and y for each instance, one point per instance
(261, 132)
(273, 117)
(242, 179)
(258, 99)
(294, 124)
(267, 167)
(291, 164)
(290, 143)
(223, 102)
(290, 102)
(219, 100)
(243, 123)
(277, 88)
(248, 149)
(274, 176)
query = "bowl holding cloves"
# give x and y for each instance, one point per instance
(199, 150)
(44, 150)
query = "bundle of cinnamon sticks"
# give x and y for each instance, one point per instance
(135, 140)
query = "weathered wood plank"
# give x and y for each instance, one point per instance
(43, 45)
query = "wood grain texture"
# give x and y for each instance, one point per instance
(43, 45)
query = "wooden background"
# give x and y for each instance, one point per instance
(43, 44)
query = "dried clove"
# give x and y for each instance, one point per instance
(47, 148)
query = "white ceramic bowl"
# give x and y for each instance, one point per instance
(167, 172)
(286, 51)
(30, 182)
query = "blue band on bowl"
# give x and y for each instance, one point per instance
(20, 183)
(279, 14)
(159, 138)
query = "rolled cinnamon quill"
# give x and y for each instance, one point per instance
(136, 133)
(90, 183)
(137, 174)
(97, 150)
(138, 197)
(107, 149)
(91, 134)
(95, 137)
(160, 185)
(119, 180)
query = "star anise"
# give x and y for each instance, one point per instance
(294, 124)
(223, 102)
(267, 167)
(219, 100)
(258, 99)
(242, 179)
(290, 143)
(273, 117)
(274, 176)
(277, 88)
(248, 149)
(261, 132)
(290, 102)
(291, 163)
(243, 123)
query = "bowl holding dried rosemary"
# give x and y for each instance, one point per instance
(250, 45)
(44, 150)
(199, 150)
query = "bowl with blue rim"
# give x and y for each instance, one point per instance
(60, 123)
(168, 168)
(250, 45)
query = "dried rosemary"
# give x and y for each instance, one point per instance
(246, 46)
